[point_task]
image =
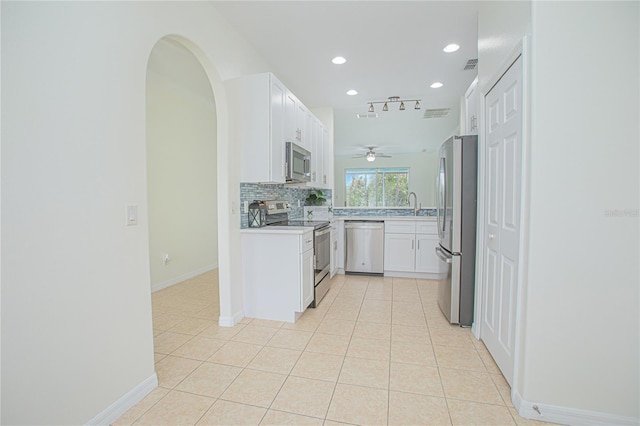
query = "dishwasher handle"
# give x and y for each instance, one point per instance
(364, 225)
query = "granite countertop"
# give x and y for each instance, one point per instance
(299, 230)
(385, 218)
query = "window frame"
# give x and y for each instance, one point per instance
(376, 171)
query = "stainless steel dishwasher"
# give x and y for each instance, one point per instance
(364, 253)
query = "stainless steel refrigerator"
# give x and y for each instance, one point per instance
(456, 201)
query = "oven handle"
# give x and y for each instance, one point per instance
(322, 231)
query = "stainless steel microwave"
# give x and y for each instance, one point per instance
(298, 163)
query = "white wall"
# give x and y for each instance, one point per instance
(181, 166)
(580, 329)
(76, 311)
(422, 174)
(501, 25)
(582, 311)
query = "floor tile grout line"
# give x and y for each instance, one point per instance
(390, 352)
(344, 357)
(362, 300)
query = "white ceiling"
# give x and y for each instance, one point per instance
(393, 48)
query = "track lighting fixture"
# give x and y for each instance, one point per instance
(392, 99)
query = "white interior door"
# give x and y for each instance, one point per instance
(503, 106)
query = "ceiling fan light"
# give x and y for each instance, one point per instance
(371, 107)
(401, 106)
(417, 105)
(384, 108)
(371, 156)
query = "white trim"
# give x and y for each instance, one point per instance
(230, 321)
(520, 51)
(125, 402)
(567, 415)
(525, 184)
(173, 281)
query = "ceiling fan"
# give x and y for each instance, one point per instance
(371, 155)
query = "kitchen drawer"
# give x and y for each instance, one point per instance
(306, 241)
(427, 228)
(400, 226)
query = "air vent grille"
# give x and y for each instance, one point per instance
(471, 64)
(371, 115)
(436, 112)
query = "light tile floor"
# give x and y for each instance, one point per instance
(377, 351)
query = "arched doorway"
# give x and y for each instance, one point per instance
(182, 188)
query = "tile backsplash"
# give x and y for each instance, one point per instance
(257, 191)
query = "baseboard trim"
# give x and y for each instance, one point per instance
(124, 403)
(567, 415)
(173, 281)
(419, 275)
(230, 321)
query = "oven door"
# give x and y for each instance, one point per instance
(322, 252)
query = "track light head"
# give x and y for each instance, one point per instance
(391, 99)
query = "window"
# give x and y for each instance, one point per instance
(385, 187)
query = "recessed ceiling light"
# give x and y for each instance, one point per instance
(352, 92)
(437, 85)
(338, 60)
(451, 48)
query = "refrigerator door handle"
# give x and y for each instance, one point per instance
(441, 211)
(442, 255)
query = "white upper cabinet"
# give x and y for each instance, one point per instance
(264, 115)
(257, 114)
(297, 122)
(292, 132)
(317, 153)
(321, 157)
(327, 160)
(472, 107)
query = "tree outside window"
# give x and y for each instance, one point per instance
(377, 187)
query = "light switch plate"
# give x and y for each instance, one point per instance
(132, 215)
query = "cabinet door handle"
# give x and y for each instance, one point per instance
(412, 245)
(418, 244)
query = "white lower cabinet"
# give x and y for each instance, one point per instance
(337, 247)
(277, 274)
(409, 249)
(426, 259)
(333, 263)
(399, 252)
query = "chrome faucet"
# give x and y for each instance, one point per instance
(415, 202)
